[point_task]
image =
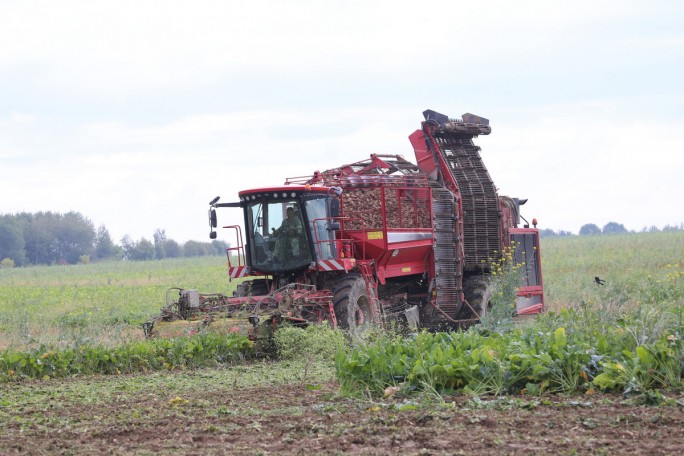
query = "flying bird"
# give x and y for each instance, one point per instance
(599, 281)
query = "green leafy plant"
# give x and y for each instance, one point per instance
(186, 352)
(319, 342)
(573, 350)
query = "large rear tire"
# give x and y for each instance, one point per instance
(352, 303)
(479, 295)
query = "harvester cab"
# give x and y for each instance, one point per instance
(287, 230)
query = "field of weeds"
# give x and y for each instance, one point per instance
(601, 372)
(100, 303)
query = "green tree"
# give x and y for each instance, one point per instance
(668, 228)
(219, 247)
(196, 249)
(50, 237)
(12, 243)
(39, 236)
(128, 247)
(614, 228)
(160, 243)
(137, 251)
(104, 247)
(145, 249)
(172, 249)
(589, 229)
(73, 237)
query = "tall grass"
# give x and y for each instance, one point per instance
(634, 266)
(102, 303)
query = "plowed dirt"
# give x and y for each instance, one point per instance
(306, 419)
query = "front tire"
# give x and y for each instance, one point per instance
(352, 303)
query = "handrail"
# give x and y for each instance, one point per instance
(240, 246)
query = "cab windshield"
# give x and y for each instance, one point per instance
(278, 235)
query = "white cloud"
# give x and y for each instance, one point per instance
(79, 132)
(135, 179)
(104, 48)
(578, 168)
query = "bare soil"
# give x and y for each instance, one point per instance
(304, 419)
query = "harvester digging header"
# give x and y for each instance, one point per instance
(371, 241)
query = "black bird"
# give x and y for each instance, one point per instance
(599, 281)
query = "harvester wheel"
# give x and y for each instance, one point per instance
(479, 295)
(352, 303)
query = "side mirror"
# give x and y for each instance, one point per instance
(212, 218)
(212, 235)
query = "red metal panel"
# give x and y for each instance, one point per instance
(423, 156)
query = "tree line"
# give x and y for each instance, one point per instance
(53, 238)
(591, 229)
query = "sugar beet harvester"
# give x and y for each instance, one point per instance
(378, 240)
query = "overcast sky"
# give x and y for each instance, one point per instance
(137, 113)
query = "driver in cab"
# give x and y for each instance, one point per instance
(287, 236)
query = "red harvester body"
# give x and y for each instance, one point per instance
(376, 240)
